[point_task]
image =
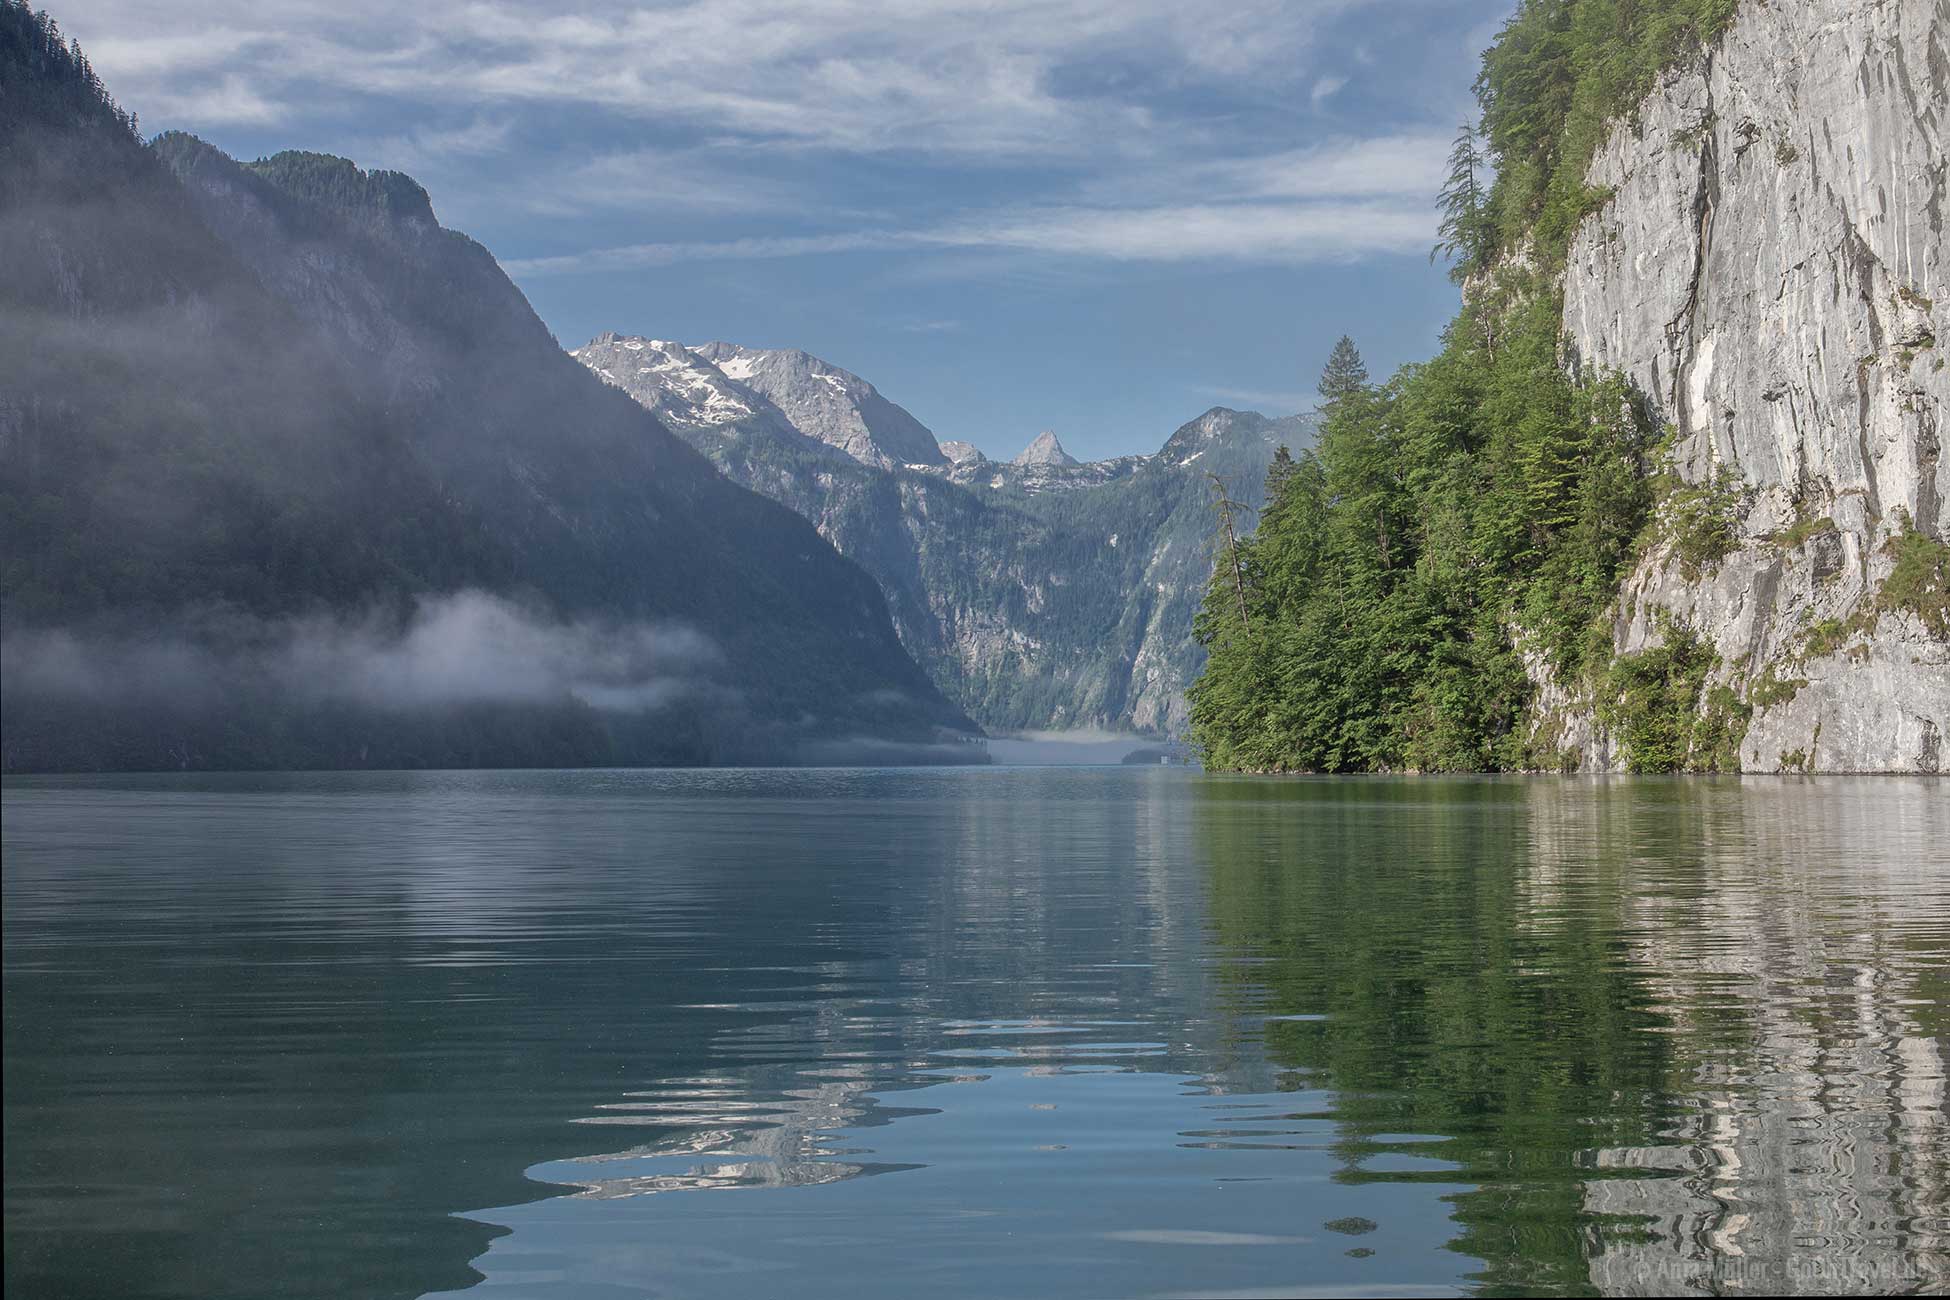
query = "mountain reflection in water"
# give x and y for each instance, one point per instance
(1131, 1032)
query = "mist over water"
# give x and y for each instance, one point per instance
(467, 647)
(1082, 747)
(1135, 1032)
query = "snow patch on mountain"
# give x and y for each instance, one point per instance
(832, 405)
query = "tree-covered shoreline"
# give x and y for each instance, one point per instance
(1461, 529)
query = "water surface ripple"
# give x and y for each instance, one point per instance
(1094, 1032)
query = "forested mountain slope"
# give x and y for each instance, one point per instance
(1044, 594)
(292, 476)
(1671, 496)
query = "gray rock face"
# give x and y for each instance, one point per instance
(674, 383)
(1770, 270)
(1044, 450)
(1041, 596)
(827, 403)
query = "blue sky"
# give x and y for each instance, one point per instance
(1095, 216)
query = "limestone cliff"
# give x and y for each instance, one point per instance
(1769, 269)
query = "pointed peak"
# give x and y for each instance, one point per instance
(1045, 450)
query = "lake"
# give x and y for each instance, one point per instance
(972, 1032)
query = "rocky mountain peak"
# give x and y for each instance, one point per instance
(962, 453)
(825, 402)
(680, 386)
(1045, 450)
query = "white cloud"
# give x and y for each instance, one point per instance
(980, 77)
(425, 150)
(1280, 232)
(1117, 129)
(1240, 232)
(1399, 174)
(657, 179)
(628, 257)
(224, 101)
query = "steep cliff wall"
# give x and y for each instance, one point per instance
(1040, 595)
(1770, 271)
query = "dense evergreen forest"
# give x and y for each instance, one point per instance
(1477, 510)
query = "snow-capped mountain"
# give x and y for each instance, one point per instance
(674, 383)
(722, 387)
(824, 402)
(1038, 593)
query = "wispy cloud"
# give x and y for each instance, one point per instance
(1124, 130)
(424, 147)
(1280, 232)
(1398, 165)
(628, 257)
(1289, 233)
(969, 76)
(658, 179)
(221, 101)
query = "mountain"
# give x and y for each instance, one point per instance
(292, 476)
(1041, 594)
(1671, 497)
(829, 404)
(1045, 450)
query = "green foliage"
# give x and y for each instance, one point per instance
(1557, 78)
(1485, 502)
(1345, 376)
(1920, 582)
(1829, 635)
(49, 79)
(1479, 493)
(1803, 530)
(1702, 520)
(1440, 1002)
(1770, 688)
(1467, 233)
(1656, 702)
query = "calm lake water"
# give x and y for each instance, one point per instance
(1084, 1032)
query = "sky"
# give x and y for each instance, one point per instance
(1101, 217)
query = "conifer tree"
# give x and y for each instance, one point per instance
(1345, 374)
(1476, 512)
(1466, 234)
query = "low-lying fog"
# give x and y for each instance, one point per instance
(1073, 748)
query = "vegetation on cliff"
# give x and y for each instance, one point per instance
(1476, 511)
